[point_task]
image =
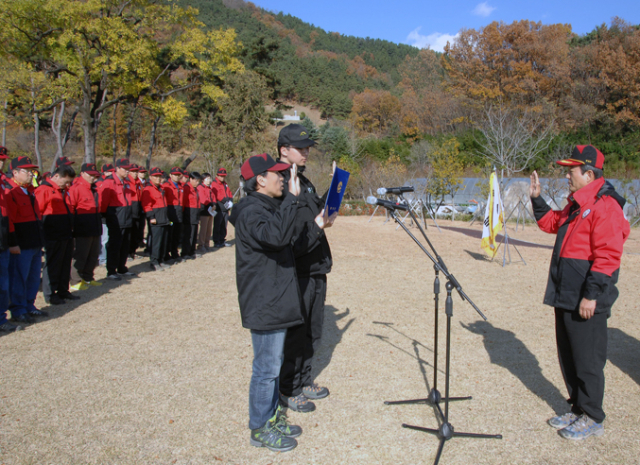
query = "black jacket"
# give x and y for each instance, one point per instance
(268, 291)
(311, 248)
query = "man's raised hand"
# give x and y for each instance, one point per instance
(534, 187)
(294, 181)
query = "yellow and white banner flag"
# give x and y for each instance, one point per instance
(493, 217)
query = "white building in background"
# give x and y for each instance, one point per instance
(293, 117)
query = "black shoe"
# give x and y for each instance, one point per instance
(114, 277)
(25, 319)
(298, 403)
(157, 267)
(55, 299)
(9, 328)
(69, 296)
(188, 257)
(38, 313)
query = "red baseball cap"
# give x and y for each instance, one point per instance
(134, 167)
(221, 172)
(259, 164)
(584, 155)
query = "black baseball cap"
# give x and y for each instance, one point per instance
(295, 135)
(107, 168)
(123, 163)
(176, 170)
(63, 161)
(584, 155)
(259, 164)
(4, 153)
(22, 163)
(155, 171)
(90, 168)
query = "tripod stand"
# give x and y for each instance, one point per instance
(445, 431)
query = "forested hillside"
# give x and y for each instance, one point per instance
(303, 62)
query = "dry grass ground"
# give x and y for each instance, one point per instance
(156, 370)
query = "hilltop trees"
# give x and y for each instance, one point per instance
(111, 51)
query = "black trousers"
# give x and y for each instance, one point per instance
(57, 267)
(158, 247)
(303, 340)
(118, 249)
(85, 258)
(220, 227)
(137, 234)
(174, 241)
(582, 351)
(189, 236)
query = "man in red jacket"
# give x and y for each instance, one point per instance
(173, 189)
(8, 246)
(57, 221)
(591, 231)
(115, 205)
(191, 207)
(224, 202)
(25, 265)
(87, 227)
(154, 205)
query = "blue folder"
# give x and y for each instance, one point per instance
(336, 191)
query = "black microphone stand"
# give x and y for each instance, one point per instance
(445, 431)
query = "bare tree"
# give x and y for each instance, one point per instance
(513, 137)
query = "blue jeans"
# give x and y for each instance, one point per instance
(268, 349)
(4, 285)
(24, 280)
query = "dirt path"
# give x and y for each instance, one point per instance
(156, 370)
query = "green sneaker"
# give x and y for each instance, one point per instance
(272, 438)
(283, 425)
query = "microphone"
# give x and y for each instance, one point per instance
(387, 204)
(395, 190)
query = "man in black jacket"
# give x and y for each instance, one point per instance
(313, 262)
(268, 292)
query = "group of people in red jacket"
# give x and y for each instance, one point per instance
(68, 216)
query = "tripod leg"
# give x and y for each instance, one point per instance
(476, 435)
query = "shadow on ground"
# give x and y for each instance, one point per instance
(624, 352)
(478, 256)
(331, 336)
(417, 345)
(509, 352)
(94, 292)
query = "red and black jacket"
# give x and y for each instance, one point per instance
(206, 198)
(222, 194)
(174, 193)
(135, 196)
(154, 204)
(591, 233)
(7, 231)
(115, 202)
(25, 215)
(84, 199)
(191, 204)
(57, 215)
(5, 185)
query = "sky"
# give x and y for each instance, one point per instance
(432, 23)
